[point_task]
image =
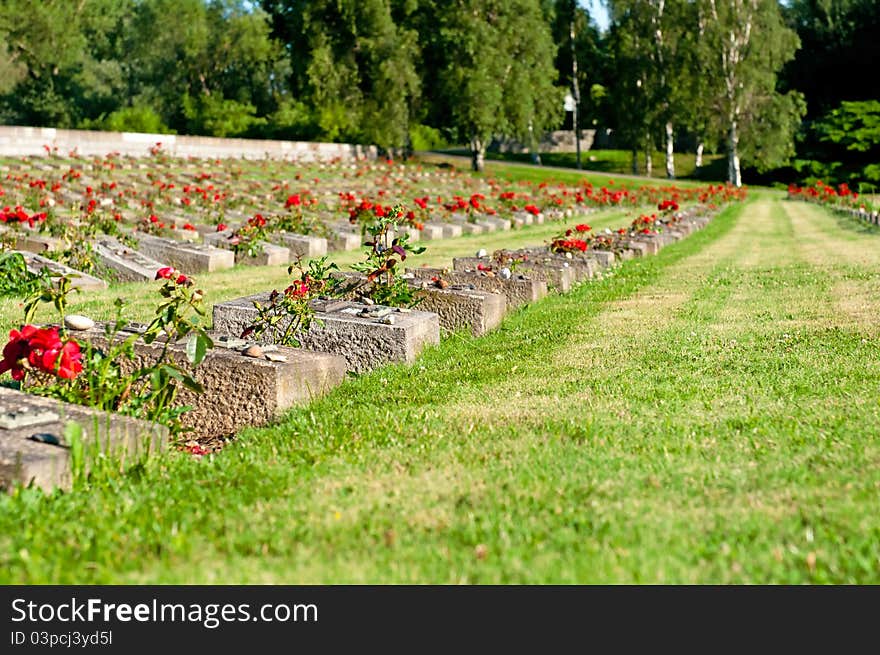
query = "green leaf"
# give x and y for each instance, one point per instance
(197, 347)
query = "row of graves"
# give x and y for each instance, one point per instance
(210, 221)
(251, 379)
(840, 199)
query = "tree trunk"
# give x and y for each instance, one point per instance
(670, 152)
(635, 161)
(478, 155)
(733, 172)
(699, 163)
(649, 165)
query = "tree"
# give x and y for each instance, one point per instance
(746, 44)
(354, 64)
(494, 70)
(195, 60)
(838, 37)
(649, 35)
(593, 61)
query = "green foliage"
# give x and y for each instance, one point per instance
(15, 279)
(854, 126)
(493, 70)
(215, 115)
(139, 118)
(293, 120)
(839, 45)
(382, 266)
(424, 137)
(113, 378)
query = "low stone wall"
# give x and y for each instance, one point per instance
(17, 141)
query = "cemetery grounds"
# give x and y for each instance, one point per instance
(709, 414)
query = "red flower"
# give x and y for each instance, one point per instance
(70, 362)
(221, 227)
(299, 289)
(165, 273)
(16, 351)
(293, 201)
(189, 226)
(583, 227)
(42, 349)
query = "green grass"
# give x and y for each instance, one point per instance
(707, 415)
(617, 163)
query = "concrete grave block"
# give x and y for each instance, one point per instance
(240, 390)
(501, 223)
(30, 241)
(459, 307)
(637, 248)
(605, 258)
(367, 336)
(78, 279)
(432, 231)
(583, 266)
(189, 258)
(652, 245)
(31, 425)
(557, 275)
(128, 265)
(452, 230)
(518, 289)
(486, 225)
(341, 240)
(471, 228)
(301, 245)
(268, 254)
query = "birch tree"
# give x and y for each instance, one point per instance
(494, 71)
(649, 38)
(745, 46)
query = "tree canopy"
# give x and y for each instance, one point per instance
(720, 74)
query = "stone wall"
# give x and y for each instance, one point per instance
(16, 141)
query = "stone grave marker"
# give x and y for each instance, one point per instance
(518, 288)
(367, 336)
(558, 275)
(78, 279)
(240, 389)
(269, 254)
(189, 258)
(129, 265)
(33, 446)
(303, 245)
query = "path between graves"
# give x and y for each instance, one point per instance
(706, 415)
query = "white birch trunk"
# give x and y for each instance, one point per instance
(478, 155)
(733, 172)
(670, 152)
(699, 162)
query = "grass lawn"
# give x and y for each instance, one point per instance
(616, 163)
(707, 415)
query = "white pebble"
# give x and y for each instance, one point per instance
(78, 322)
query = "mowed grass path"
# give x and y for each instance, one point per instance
(707, 415)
